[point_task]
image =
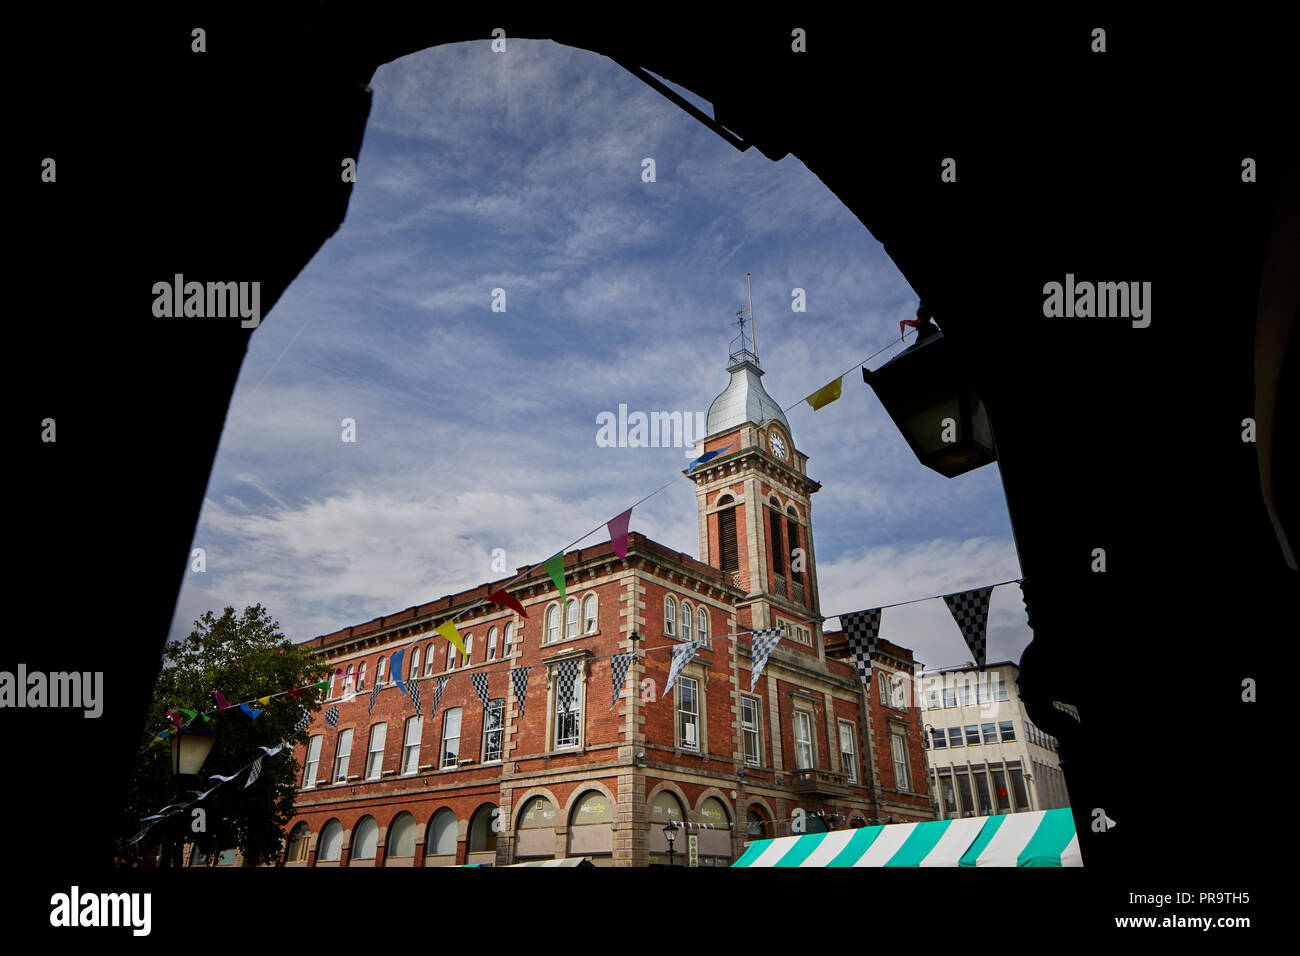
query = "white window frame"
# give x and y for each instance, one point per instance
(902, 773)
(375, 754)
(492, 644)
(551, 633)
(451, 656)
(443, 763)
(561, 711)
(414, 667)
(702, 625)
(751, 730)
(571, 618)
(670, 616)
(411, 750)
(361, 676)
(428, 660)
(688, 718)
(342, 755)
(803, 719)
(590, 621)
(688, 622)
(497, 704)
(848, 757)
(311, 760)
(469, 649)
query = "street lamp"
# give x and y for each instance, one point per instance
(670, 832)
(928, 393)
(190, 747)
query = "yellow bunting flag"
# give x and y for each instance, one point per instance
(448, 630)
(264, 700)
(826, 394)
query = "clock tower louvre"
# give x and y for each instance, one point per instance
(754, 505)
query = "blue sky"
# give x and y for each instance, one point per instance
(477, 429)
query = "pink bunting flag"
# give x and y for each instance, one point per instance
(618, 532)
(221, 699)
(176, 718)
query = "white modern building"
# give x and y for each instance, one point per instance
(984, 755)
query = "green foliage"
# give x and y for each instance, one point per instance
(244, 657)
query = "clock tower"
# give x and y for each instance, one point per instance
(754, 504)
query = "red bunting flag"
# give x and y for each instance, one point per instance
(221, 699)
(618, 532)
(500, 596)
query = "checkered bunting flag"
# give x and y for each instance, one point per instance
(373, 695)
(438, 688)
(760, 646)
(481, 685)
(618, 665)
(861, 628)
(254, 773)
(683, 654)
(971, 611)
(302, 723)
(567, 673)
(413, 688)
(332, 718)
(519, 677)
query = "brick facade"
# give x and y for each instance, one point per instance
(708, 754)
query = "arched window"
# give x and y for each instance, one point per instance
(451, 656)
(571, 618)
(537, 813)
(482, 837)
(428, 659)
(714, 811)
(330, 848)
(299, 840)
(589, 614)
(414, 669)
(365, 839)
(349, 681)
(492, 644)
(401, 836)
(702, 625)
(728, 549)
(441, 840)
(688, 614)
(792, 537)
(469, 648)
(666, 807)
(592, 807)
(507, 637)
(361, 676)
(552, 623)
(380, 671)
(670, 616)
(775, 545)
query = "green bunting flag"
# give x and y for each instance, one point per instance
(555, 568)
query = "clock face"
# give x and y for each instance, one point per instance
(776, 444)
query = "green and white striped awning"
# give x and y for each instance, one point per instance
(1036, 838)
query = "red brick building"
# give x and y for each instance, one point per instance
(555, 778)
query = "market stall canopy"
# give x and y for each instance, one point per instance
(564, 861)
(1037, 838)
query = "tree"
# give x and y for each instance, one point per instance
(245, 658)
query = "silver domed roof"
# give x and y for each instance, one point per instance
(744, 399)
